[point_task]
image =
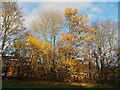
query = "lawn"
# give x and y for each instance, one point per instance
(22, 85)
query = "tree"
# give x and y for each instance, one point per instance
(82, 33)
(78, 41)
(12, 23)
(105, 49)
(34, 56)
(49, 24)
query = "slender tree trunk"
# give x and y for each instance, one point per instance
(90, 78)
(51, 40)
(54, 42)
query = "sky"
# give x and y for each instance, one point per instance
(69, 0)
(96, 10)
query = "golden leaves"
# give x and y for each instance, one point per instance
(70, 23)
(70, 11)
(89, 59)
(18, 43)
(67, 36)
(76, 21)
(85, 19)
(90, 38)
(76, 28)
(38, 45)
(33, 46)
(61, 49)
(33, 41)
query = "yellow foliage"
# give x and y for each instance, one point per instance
(89, 59)
(70, 23)
(67, 38)
(37, 44)
(70, 11)
(85, 19)
(90, 38)
(17, 43)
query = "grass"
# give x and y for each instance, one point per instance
(38, 85)
(24, 84)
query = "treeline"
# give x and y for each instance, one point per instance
(82, 53)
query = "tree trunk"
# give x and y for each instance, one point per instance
(54, 42)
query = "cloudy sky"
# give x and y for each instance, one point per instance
(96, 10)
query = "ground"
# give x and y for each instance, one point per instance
(44, 84)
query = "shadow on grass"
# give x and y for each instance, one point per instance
(37, 85)
(51, 85)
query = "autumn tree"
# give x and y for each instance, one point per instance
(11, 23)
(49, 24)
(34, 57)
(81, 32)
(105, 49)
(78, 41)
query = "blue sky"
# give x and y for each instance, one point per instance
(95, 10)
(69, 0)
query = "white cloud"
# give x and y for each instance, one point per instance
(62, 6)
(30, 17)
(53, 6)
(96, 9)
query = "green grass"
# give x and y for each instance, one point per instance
(22, 84)
(38, 85)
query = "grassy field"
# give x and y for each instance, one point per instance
(52, 85)
(10, 84)
(33, 85)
